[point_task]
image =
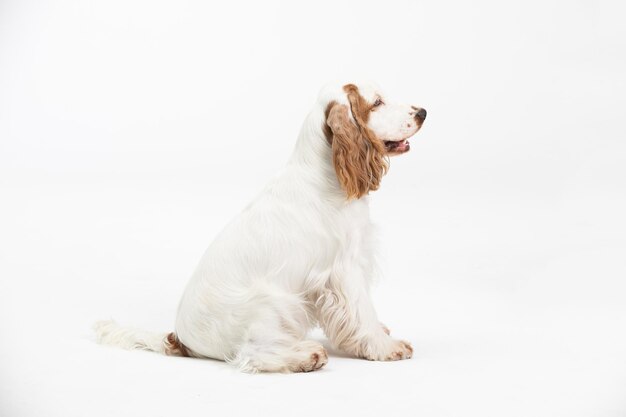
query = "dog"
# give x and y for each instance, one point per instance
(301, 254)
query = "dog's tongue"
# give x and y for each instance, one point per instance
(399, 146)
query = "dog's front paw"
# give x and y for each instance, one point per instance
(395, 351)
(403, 350)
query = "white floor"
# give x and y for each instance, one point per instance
(508, 318)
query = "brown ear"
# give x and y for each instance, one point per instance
(358, 156)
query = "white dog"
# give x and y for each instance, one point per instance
(301, 254)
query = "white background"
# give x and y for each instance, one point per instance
(132, 131)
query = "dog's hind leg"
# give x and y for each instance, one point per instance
(274, 340)
(280, 356)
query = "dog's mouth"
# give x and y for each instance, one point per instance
(397, 146)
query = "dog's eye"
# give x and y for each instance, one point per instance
(378, 102)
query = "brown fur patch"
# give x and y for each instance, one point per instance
(358, 155)
(174, 347)
(327, 131)
(360, 107)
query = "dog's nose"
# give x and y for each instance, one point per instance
(421, 114)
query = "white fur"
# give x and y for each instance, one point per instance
(299, 255)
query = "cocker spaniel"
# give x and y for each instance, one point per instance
(300, 255)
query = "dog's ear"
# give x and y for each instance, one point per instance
(358, 156)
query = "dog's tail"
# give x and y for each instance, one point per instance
(108, 332)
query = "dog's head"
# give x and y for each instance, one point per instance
(363, 128)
